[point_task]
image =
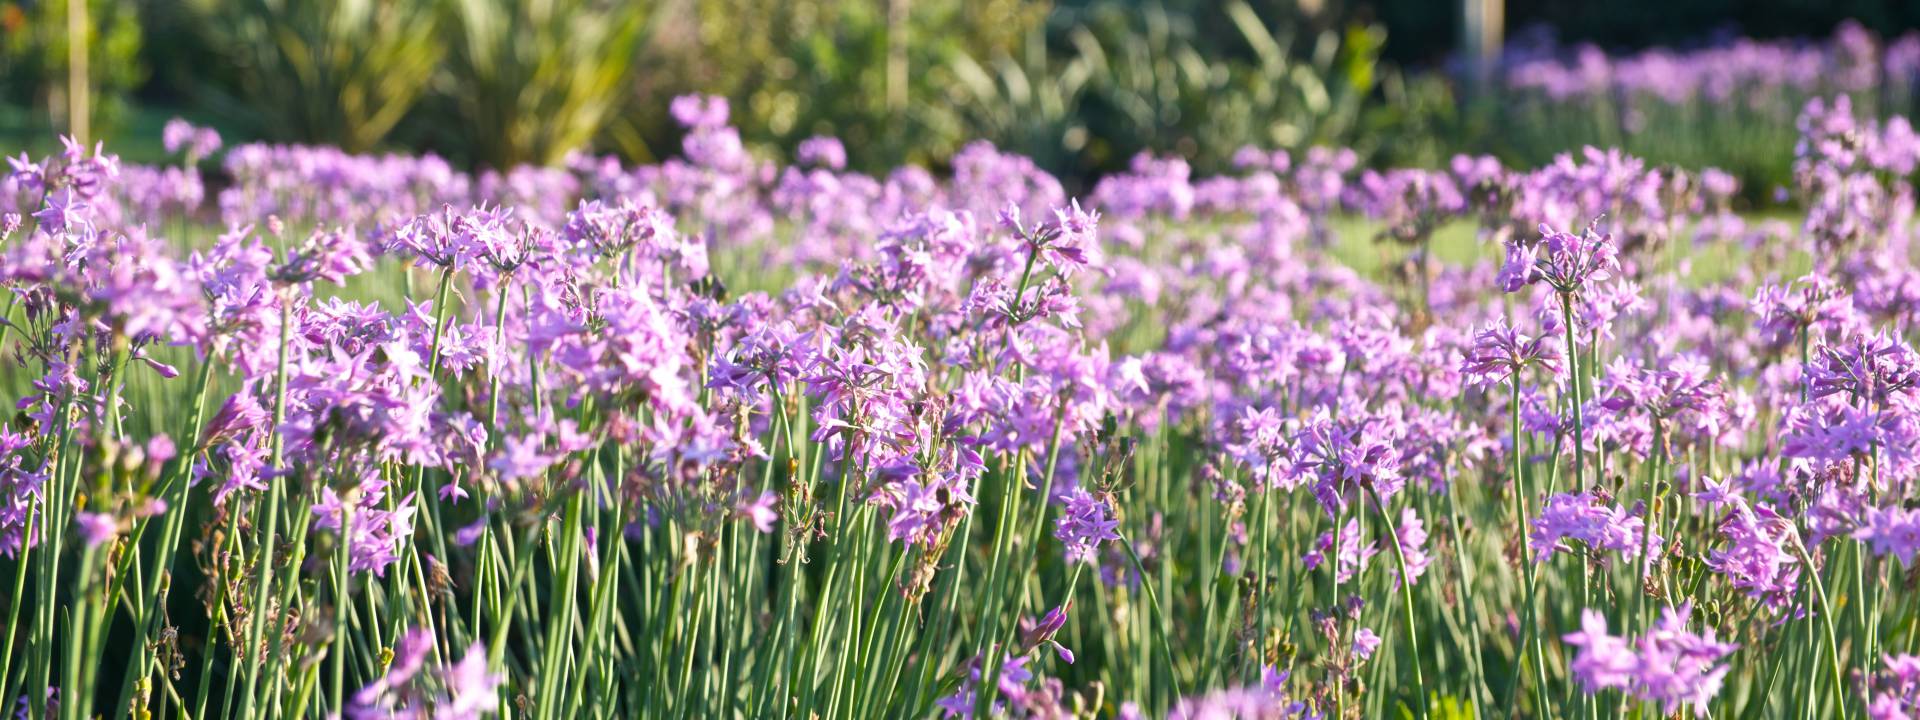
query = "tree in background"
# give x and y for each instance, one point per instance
(532, 81)
(341, 72)
(872, 73)
(37, 53)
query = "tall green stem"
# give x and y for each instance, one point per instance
(1573, 382)
(1526, 556)
(1406, 602)
(263, 562)
(1839, 687)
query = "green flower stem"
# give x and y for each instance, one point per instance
(1406, 596)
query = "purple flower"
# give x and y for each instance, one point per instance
(523, 457)
(1830, 430)
(1067, 243)
(699, 111)
(1083, 525)
(1351, 557)
(772, 354)
(239, 464)
(1265, 701)
(452, 238)
(1562, 260)
(924, 512)
(1364, 643)
(376, 536)
(22, 488)
(1683, 384)
(1412, 538)
(467, 535)
(1866, 366)
(393, 691)
(1340, 457)
(599, 229)
(759, 510)
(1499, 351)
(26, 173)
(63, 211)
(1891, 531)
(1041, 632)
(328, 255)
(1604, 661)
(1714, 493)
(96, 528)
(1670, 665)
(1013, 678)
(472, 691)
(465, 690)
(181, 136)
(1757, 558)
(1898, 689)
(1587, 519)
(177, 135)
(206, 141)
(822, 151)
(1784, 311)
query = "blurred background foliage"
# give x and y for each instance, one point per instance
(340, 72)
(870, 72)
(526, 82)
(1079, 85)
(34, 53)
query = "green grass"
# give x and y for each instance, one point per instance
(1455, 243)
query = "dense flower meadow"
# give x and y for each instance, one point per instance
(1760, 73)
(1732, 102)
(322, 435)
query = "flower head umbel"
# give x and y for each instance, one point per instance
(1499, 351)
(1266, 700)
(376, 535)
(822, 151)
(1411, 534)
(464, 690)
(1891, 531)
(96, 528)
(1867, 366)
(1896, 689)
(1012, 682)
(1670, 665)
(700, 111)
(326, 255)
(1349, 456)
(26, 173)
(1562, 260)
(180, 136)
(1365, 641)
(1782, 312)
(1084, 524)
(1756, 557)
(1350, 555)
(1066, 243)
(928, 507)
(22, 493)
(1593, 522)
(1680, 384)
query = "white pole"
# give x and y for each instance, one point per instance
(1482, 32)
(78, 102)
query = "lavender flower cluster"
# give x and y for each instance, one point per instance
(370, 437)
(1739, 70)
(1730, 102)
